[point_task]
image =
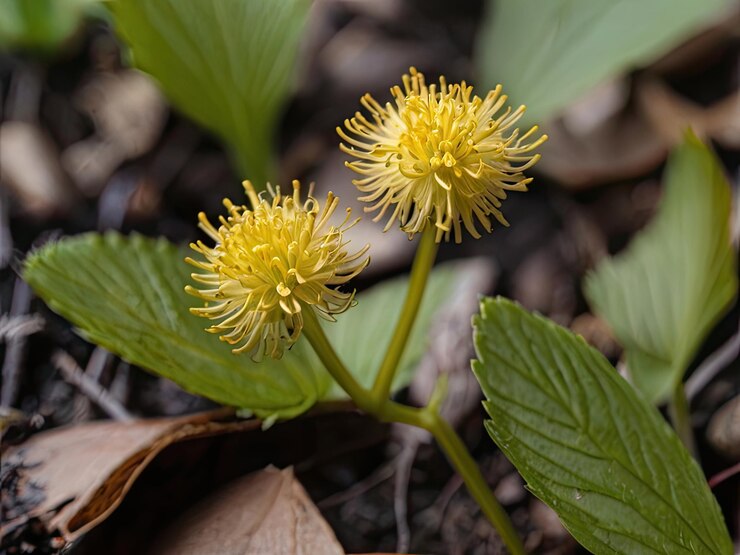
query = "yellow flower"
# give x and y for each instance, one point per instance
(269, 264)
(439, 153)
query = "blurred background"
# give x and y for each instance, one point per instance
(135, 116)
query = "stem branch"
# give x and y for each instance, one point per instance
(678, 409)
(426, 418)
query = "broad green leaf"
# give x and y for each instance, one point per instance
(587, 444)
(40, 25)
(666, 291)
(127, 295)
(228, 64)
(548, 53)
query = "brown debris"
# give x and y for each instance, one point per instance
(85, 471)
(264, 512)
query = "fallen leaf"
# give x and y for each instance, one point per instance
(129, 114)
(83, 472)
(31, 169)
(267, 511)
(723, 432)
(670, 114)
(620, 147)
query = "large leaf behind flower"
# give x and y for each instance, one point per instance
(587, 444)
(663, 294)
(228, 64)
(547, 53)
(127, 295)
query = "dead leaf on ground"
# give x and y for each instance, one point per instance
(670, 114)
(129, 114)
(622, 147)
(84, 472)
(267, 511)
(30, 168)
(724, 429)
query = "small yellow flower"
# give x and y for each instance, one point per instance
(439, 153)
(269, 264)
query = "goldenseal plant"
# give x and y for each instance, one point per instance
(440, 160)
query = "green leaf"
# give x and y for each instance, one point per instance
(227, 64)
(127, 295)
(548, 53)
(40, 25)
(586, 443)
(666, 291)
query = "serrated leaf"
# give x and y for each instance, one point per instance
(127, 295)
(547, 54)
(666, 291)
(586, 443)
(228, 64)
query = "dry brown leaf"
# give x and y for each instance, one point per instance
(724, 429)
(670, 114)
(30, 168)
(264, 512)
(85, 471)
(129, 114)
(622, 147)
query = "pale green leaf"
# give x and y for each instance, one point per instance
(587, 444)
(666, 291)
(127, 295)
(228, 64)
(40, 25)
(548, 53)
(363, 333)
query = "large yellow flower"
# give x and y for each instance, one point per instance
(439, 154)
(269, 264)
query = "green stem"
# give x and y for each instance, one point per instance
(427, 419)
(467, 468)
(678, 409)
(423, 262)
(320, 343)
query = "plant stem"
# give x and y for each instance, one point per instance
(423, 261)
(678, 409)
(428, 419)
(466, 467)
(320, 343)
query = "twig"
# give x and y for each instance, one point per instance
(94, 370)
(74, 375)
(14, 352)
(720, 477)
(376, 478)
(714, 364)
(403, 463)
(6, 238)
(119, 387)
(12, 327)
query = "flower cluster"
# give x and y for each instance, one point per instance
(270, 263)
(439, 154)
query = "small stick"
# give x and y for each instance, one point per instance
(74, 375)
(712, 366)
(15, 350)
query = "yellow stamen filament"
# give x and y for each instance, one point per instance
(438, 154)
